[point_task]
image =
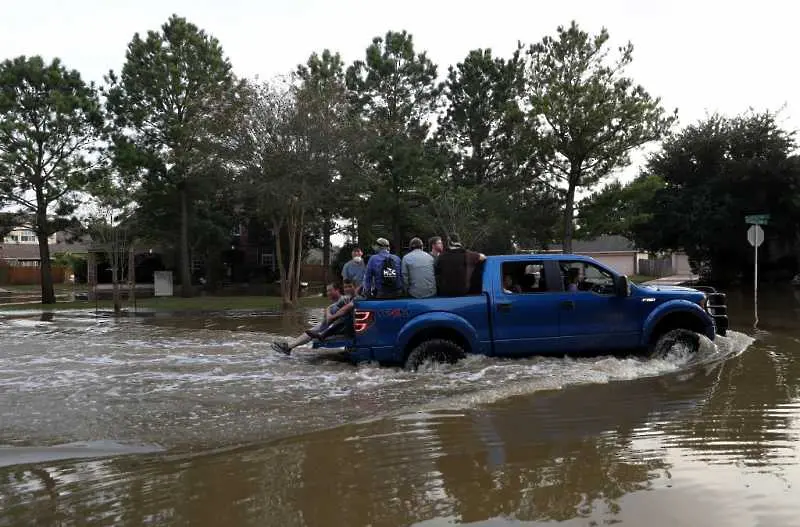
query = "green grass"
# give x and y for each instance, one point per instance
(35, 288)
(174, 303)
(638, 278)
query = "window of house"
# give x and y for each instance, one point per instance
(268, 260)
(524, 277)
(585, 276)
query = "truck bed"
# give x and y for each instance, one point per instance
(396, 321)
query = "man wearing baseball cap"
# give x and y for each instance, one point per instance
(384, 276)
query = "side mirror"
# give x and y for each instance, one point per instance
(622, 286)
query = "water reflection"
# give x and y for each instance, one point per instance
(750, 414)
(573, 453)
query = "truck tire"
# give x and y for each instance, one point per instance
(666, 342)
(436, 350)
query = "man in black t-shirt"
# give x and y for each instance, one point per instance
(454, 268)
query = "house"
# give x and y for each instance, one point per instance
(615, 251)
(20, 247)
(252, 253)
(622, 254)
(24, 235)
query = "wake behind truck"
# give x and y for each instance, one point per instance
(528, 304)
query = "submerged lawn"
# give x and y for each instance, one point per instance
(175, 303)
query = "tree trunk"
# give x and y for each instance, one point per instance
(276, 229)
(45, 269)
(131, 277)
(298, 257)
(186, 265)
(115, 279)
(288, 300)
(397, 235)
(569, 211)
(327, 227)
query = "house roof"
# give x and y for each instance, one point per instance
(602, 244)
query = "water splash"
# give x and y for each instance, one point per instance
(80, 378)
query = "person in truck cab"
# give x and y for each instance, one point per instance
(337, 318)
(418, 278)
(509, 287)
(454, 267)
(573, 279)
(384, 276)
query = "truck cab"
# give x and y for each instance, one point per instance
(528, 304)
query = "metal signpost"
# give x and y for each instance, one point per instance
(755, 236)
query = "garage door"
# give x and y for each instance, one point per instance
(621, 263)
(680, 264)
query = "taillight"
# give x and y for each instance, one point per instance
(362, 320)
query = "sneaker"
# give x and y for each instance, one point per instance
(281, 347)
(316, 335)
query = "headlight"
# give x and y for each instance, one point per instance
(704, 302)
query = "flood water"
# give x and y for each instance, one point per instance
(180, 420)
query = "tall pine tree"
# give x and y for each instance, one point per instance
(394, 92)
(50, 119)
(174, 102)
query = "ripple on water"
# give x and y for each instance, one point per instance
(87, 378)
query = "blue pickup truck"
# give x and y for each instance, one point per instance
(528, 304)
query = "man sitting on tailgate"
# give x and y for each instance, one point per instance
(338, 319)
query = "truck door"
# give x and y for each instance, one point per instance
(525, 312)
(592, 316)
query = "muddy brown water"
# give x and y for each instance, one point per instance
(192, 420)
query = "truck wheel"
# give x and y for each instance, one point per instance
(675, 338)
(437, 350)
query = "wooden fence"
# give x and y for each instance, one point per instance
(657, 267)
(12, 275)
(314, 273)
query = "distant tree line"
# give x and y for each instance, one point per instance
(694, 194)
(175, 149)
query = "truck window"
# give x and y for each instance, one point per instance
(476, 281)
(585, 276)
(523, 277)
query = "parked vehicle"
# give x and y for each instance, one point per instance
(524, 305)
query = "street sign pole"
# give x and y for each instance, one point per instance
(755, 285)
(755, 236)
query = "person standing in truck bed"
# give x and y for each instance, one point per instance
(418, 278)
(384, 275)
(454, 268)
(355, 269)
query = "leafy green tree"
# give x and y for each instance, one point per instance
(483, 127)
(394, 92)
(618, 209)
(489, 157)
(587, 114)
(716, 172)
(323, 92)
(50, 121)
(174, 104)
(282, 178)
